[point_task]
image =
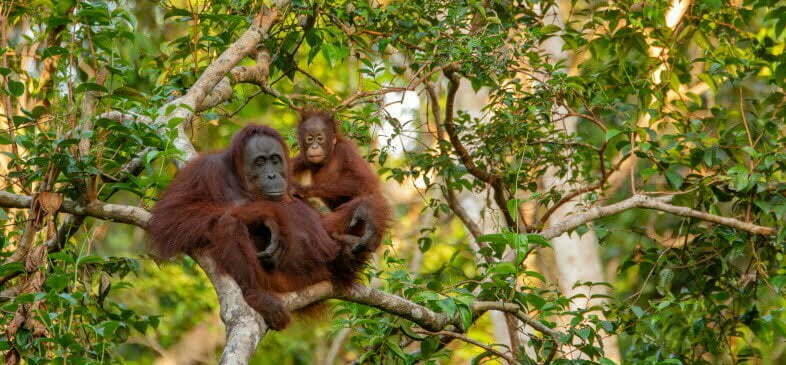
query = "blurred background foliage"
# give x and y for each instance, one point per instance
(629, 101)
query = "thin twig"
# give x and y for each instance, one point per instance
(509, 359)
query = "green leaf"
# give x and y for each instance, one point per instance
(108, 328)
(313, 38)
(53, 51)
(173, 122)
(778, 281)
(534, 238)
(740, 178)
(513, 208)
(670, 362)
(410, 333)
(504, 268)
(606, 361)
(424, 243)
(11, 268)
(89, 86)
(534, 274)
(90, 259)
(611, 133)
(584, 333)
(709, 80)
(499, 241)
(536, 300)
(674, 177)
(334, 53)
(396, 349)
(466, 317)
(62, 256)
(29, 298)
(150, 156)
(16, 88)
(173, 11)
(638, 311)
(57, 282)
(129, 93)
(429, 345)
(68, 298)
(447, 306)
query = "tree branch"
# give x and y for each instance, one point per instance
(464, 156)
(604, 177)
(106, 211)
(657, 204)
(509, 359)
(482, 306)
(450, 128)
(184, 107)
(413, 84)
(245, 327)
(643, 201)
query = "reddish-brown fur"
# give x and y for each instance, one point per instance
(208, 208)
(342, 178)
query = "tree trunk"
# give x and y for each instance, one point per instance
(576, 256)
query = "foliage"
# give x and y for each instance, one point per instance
(638, 104)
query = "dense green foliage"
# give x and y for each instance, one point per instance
(693, 111)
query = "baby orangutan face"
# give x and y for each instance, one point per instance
(265, 167)
(316, 140)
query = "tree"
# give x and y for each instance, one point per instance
(655, 128)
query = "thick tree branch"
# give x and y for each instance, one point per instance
(138, 216)
(643, 201)
(184, 107)
(245, 327)
(399, 306)
(106, 211)
(688, 212)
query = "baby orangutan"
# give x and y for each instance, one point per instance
(338, 176)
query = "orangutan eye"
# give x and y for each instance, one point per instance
(259, 161)
(309, 139)
(320, 139)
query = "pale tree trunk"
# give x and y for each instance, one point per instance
(481, 209)
(577, 257)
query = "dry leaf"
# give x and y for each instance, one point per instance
(33, 324)
(12, 357)
(34, 282)
(38, 328)
(16, 322)
(51, 229)
(50, 201)
(35, 258)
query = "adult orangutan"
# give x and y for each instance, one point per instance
(234, 206)
(329, 167)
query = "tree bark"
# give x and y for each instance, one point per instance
(577, 257)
